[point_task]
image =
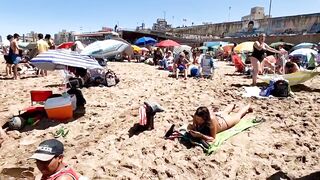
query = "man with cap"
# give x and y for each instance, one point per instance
(49, 160)
(181, 65)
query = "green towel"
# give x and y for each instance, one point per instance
(225, 135)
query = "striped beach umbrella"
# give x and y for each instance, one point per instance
(60, 59)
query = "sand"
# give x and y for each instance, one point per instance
(99, 146)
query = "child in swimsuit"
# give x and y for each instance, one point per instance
(206, 123)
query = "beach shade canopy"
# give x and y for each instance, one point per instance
(106, 48)
(27, 45)
(181, 48)
(244, 47)
(304, 52)
(286, 46)
(303, 45)
(136, 48)
(145, 41)
(203, 48)
(167, 43)
(293, 78)
(60, 59)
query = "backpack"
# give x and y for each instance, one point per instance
(111, 78)
(281, 88)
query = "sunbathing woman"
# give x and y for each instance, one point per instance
(207, 124)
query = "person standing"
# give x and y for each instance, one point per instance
(42, 46)
(7, 56)
(15, 55)
(50, 41)
(258, 55)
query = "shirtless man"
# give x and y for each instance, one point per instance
(15, 54)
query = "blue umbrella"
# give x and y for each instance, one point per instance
(214, 44)
(145, 41)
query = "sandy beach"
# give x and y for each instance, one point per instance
(100, 145)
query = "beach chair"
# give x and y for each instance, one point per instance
(37, 96)
(207, 66)
(238, 63)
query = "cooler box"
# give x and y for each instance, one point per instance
(59, 108)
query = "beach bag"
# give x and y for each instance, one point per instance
(81, 101)
(281, 88)
(111, 78)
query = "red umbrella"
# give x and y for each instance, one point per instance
(65, 45)
(167, 43)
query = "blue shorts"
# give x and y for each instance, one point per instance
(15, 58)
(181, 67)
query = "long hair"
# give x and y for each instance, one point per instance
(204, 113)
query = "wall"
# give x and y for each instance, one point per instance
(280, 25)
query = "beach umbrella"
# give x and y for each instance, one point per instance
(167, 43)
(304, 54)
(203, 48)
(293, 78)
(215, 44)
(144, 49)
(136, 48)
(145, 41)
(65, 45)
(181, 48)
(60, 59)
(106, 48)
(286, 46)
(244, 47)
(227, 48)
(27, 45)
(303, 45)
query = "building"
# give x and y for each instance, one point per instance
(0, 39)
(255, 14)
(30, 37)
(161, 25)
(64, 36)
(89, 37)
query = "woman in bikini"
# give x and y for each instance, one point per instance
(206, 123)
(258, 55)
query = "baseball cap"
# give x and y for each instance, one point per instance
(47, 150)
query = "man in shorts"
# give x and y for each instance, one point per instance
(7, 56)
(15, 56)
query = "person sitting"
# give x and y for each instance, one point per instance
(291, 67)
(166, 60)
(49, 160)
(181, 65)
(206, 123)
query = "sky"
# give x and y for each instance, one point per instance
(51, 16)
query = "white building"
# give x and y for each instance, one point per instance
(256, 13)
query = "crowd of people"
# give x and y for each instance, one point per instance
(14, 55)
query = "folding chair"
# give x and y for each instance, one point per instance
(238, 63)
(207, 66)
(39, 96)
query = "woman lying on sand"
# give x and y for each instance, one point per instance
(206, 123)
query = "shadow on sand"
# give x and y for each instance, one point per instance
(283, 176)
(303, 88)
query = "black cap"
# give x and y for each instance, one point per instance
(47, 150)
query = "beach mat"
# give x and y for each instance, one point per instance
(225, 135)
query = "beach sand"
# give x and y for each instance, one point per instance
(99, 147)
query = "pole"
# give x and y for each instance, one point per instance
(270, 6)
(229, 14)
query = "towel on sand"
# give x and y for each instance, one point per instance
(225, 135)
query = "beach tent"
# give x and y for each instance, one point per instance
(143, 41)
(244, 47)
(167, 43)
(304, 54)
(60, 59)
(293, 78)
(303, 45)
(215, 44)
(107, 48)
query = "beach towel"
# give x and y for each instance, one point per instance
(225, 135)
(252, 92)
(142, 115)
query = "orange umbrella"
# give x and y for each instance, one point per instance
(227, 48)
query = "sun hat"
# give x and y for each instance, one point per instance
(47, 150)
